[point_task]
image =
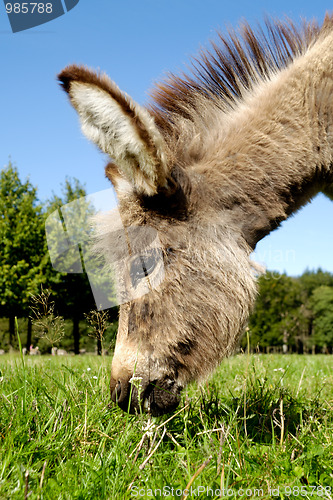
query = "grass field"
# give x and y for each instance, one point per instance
(262, 427)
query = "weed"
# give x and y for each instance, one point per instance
(98, 320)
(47, 324)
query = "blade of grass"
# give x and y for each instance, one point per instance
(23, 368)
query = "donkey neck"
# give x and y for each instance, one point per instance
(259, 191)
(275, 151)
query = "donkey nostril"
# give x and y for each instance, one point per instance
(115, 396)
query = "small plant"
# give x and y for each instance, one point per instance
(98, 320)
(47, 324)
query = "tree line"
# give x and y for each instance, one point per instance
(26, 271)
(292, 314)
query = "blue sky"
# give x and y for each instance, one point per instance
(136, 42)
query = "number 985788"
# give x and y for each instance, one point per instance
(29, 8)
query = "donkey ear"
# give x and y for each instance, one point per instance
(120, 128)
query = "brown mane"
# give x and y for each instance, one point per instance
(232, 67)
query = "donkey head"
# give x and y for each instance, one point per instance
(181, 329)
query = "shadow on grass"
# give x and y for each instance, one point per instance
(262, 412)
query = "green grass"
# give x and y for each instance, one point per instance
(261, 422)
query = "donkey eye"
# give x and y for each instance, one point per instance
(142, 266)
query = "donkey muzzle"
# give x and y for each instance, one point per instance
(137, 395)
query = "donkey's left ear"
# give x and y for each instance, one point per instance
(120, 127)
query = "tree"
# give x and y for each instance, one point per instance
(322, 306)
(293, 312)
(23, 254)
(310, 280)
(277, 318)
(72, 292)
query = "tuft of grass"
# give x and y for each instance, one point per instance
(261, 422)
(269, 409)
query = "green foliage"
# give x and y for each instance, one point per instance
(72, 190)
(322, 306)
(23, 248)
(277, 313)
(261, 422)
(311, 280)
(72, 292)
(296, 313)
(25, 265)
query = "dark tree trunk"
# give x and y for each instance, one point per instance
(29, 334)
(300, 347)
(76, 334)
(11, 330)
(99, 346)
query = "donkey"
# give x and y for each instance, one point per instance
(214, 162)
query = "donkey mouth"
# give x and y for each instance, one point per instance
(154, 397)
(161, 398)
